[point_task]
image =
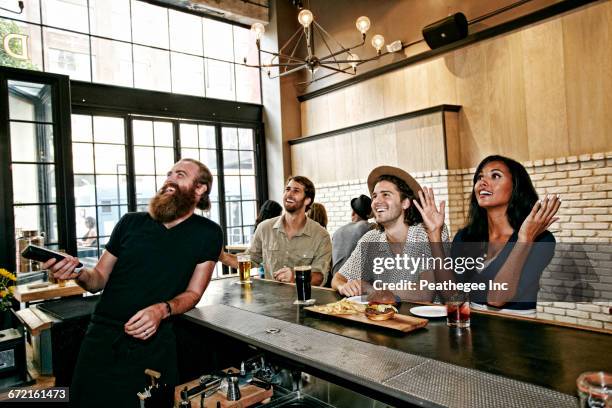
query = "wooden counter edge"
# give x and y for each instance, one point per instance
(32, 322)
(49, 292)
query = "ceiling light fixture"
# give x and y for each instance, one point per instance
(339, 60)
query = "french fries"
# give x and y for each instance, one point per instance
(340, 307)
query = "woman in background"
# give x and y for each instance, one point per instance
(89, 238)
(318, 213)
(269, 209)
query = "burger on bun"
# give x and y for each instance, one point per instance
(381, 305)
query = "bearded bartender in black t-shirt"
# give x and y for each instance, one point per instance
(155, 265)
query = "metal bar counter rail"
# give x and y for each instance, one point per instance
(499, 361)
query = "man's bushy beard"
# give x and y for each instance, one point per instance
(296, 207)
(169, 207)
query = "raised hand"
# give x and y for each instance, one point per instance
(433, 217)
(541, 217)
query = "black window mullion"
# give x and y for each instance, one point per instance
(177, 138)
(129, 151)
(261, 173)
(220, 181)
(7, 215)
(64, 185)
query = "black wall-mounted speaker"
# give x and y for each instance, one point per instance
(446, 31)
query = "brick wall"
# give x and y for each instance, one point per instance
(585, 186)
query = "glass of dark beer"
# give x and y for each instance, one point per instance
(303, 276)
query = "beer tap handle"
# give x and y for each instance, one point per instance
(153, 375)
(185, 394)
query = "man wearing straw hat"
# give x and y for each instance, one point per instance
(407, 220)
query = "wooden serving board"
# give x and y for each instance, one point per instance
(399, 322)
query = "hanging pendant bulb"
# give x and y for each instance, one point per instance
(378, 41)
(258, 29)
(305, 18)
(363, 24)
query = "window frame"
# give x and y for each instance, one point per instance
(76, 97)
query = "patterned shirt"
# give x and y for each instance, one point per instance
(374, 244)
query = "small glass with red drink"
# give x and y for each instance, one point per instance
(458, 310)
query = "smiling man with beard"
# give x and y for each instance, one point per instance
(404, 227)
(156, 264)
(291, 239)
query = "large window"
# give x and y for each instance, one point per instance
(135, 44)
(114, 155)
(72, 170)
(100, 180)
(199, 142)
(153, 157)
(240, 191)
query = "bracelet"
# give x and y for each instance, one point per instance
(168, 308)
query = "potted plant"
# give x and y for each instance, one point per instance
(7, 286)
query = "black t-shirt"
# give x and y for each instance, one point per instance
(154, 263)
(526, 295)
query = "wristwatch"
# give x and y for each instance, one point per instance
(168, 309)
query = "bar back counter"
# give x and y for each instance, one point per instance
(499, 361)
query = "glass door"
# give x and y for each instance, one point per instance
(32, 170)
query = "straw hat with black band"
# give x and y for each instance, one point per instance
(393, 171)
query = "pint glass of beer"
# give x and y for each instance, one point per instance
(244, 268)
(303, 276)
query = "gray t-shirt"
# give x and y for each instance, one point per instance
(344, 242)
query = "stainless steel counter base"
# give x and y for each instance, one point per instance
(413, 379)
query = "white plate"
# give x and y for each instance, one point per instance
(363, 300)
(429, 311)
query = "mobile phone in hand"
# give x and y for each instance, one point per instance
(41, 254)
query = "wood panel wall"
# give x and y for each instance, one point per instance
(540, 92)
(416, 143)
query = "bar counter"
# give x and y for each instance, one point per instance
(499, 361)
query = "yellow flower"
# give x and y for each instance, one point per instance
(7, 274)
